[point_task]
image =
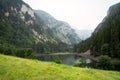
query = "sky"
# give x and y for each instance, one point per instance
(80, 14)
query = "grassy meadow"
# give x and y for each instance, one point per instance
(13, 68)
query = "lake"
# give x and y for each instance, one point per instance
(68, 59)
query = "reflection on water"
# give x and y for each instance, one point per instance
(68, 59)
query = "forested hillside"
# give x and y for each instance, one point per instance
(105, 39)
(22, 28)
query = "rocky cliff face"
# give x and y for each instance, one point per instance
(21, 26)
(62, 31)
(16, 22)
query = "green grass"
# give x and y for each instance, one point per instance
(12, 68)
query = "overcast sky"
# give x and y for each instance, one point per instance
(80, 14)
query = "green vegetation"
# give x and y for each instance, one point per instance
(12, 68)
(105, 40)
(105, 63)
(81, 63)
(77, 64)
(82, 46)
(16, 30)
(20, 52)
(57, 60)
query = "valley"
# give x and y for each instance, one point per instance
(34, 45)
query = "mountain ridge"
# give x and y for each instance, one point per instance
(84, 33)
(105, 39)
(56, 26)
(22, 27)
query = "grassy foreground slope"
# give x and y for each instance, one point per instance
(12, 68)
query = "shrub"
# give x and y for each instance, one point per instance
(57, 60)
(77, 64)
(105, 63)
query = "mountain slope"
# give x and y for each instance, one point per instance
(21, 27)
(12, 68)
(105, 39)
(84, 34)
(62, 31)
(14, 20)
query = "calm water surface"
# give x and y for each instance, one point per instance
(68, 59)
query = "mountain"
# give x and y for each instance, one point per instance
(62, 31)
(16, 22)
(105, 39)
(84, 34)
(23, 27)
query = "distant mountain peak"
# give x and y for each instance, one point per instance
(84, 33)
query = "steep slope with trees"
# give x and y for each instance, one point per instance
(21, 27)
(105, 40)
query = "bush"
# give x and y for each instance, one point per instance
(57, 60)
(105, 63)
(77, 64)
(25, 53)
(81, 63)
